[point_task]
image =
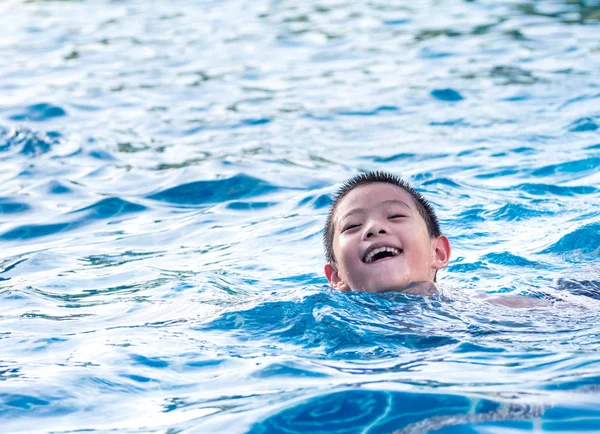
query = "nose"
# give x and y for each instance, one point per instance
(375, 228)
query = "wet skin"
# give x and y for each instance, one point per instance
(382, 216)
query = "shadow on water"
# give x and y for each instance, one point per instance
(386, 412)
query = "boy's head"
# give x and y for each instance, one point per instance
(382, 235)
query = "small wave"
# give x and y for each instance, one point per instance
(396, 157)
(497, 174)
(340, 412)
(317, 202)
(252, 122)
(588, 288)
(513, 75)
(100, 154)
(524, 150)
(56, 187)
(469, 217)
(54, 317)
(459, 122)
(335, 325)
(585, 239)
(442, 181)
(26, 141)
(515, 212)
(151, 362)
(579, 99)
(20, 402)
(10, 206)
(16, 405)
(557, 190)
(374, 112)
(577, 166)
(127, 256)
(467, 267)
(111, 207)
(209, 192)
(249, 206)
(583, 125)
(291, 369)
(447, 95)
(404, 156)
(506, 258)
(355, 411)
(26, 232)
(229, 126)
(104, 209)
(39, 112)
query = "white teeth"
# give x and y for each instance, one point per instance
(372, 253)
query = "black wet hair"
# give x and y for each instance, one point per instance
(424, 207)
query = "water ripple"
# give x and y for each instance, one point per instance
(582, 167)
(39, 112)
(27, 142)
(110, 207)
(166, 172)
(585, 239)
(208, 192)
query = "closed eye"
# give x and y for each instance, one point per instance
(349, 227)
(396, 216)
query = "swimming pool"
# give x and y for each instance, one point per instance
(166, 170)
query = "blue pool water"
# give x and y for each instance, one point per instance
(166, 168)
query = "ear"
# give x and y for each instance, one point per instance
(334, 279)
(441, 252)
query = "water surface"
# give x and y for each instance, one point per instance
(166, 170)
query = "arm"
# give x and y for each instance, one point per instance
(514, 301)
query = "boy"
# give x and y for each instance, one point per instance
(382, 235)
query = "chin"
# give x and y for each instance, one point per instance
(389, 287)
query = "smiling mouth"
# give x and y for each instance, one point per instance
(381, 253)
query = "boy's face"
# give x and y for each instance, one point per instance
(381, 243)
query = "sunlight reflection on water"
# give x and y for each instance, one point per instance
(166, 171)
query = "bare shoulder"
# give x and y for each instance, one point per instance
(514, 301)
